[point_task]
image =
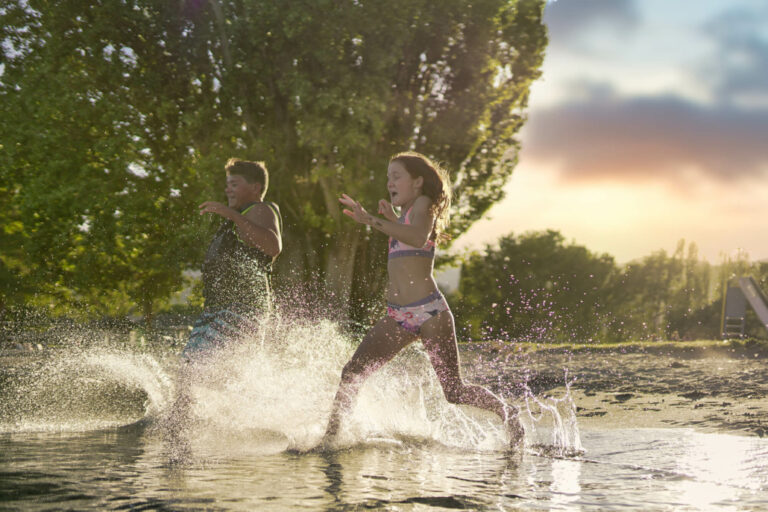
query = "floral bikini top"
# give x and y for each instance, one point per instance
(398, 249)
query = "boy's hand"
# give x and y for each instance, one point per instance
(356, 211)
(386, 209)
(217, 208)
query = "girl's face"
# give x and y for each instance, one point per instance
(403, 189)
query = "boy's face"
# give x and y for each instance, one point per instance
(239, 192)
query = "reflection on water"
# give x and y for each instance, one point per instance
(654, 469)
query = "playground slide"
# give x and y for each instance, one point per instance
(756, 298)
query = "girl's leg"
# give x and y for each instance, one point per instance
(439, 338)
(381, 344)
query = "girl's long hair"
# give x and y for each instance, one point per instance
(437, 186)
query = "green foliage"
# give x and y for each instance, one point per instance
(116, 118)
(96, 152)
(666, 297)
(535, 287)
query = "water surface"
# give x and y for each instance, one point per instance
(67, 440)
(651, 469)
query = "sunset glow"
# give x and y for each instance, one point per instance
(647, 127)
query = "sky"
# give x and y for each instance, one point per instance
(648, 125)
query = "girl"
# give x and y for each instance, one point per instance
(416, 308)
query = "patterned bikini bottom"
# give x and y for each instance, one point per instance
(412, 316)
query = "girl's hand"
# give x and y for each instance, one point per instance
(356, 211)
(386, 209)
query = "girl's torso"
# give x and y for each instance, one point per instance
(410, 270)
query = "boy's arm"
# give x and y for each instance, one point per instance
(258, 227)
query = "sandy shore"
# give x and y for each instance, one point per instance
(711, 389)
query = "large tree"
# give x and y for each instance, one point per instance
(118, 116)
(98, 150)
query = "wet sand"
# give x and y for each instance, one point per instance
(710, 389)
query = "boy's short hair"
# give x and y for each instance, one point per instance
(253, 172)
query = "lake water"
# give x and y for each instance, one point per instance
(653, 469)
(64, 443)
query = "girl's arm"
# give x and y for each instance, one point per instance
(415, 234)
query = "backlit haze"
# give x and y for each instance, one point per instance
(648, 125)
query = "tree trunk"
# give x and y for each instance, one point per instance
(339, 269)
(148, 311)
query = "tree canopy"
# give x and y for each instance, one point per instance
(116, 118)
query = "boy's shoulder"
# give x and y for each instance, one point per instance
(264, 206)
(263, 210)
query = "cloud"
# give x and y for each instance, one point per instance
(606, 137)
(569, 19)
(740, 64)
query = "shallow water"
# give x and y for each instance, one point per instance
(654, 469)
(68, 441)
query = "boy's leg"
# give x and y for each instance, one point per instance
(176, 420)
(380, 345)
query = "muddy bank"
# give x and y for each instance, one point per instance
(710, 388)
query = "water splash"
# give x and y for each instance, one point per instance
(551, 425)
(140, 371)
(274, 389)
(283, 381)
(79, 389)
